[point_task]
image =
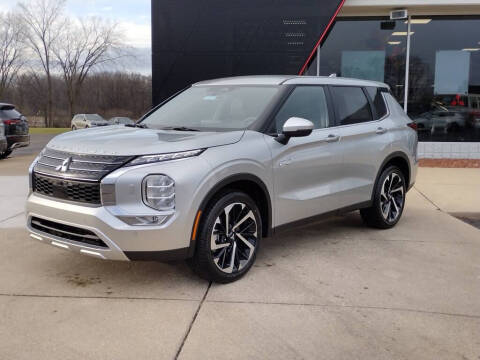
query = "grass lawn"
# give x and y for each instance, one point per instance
(48, 130)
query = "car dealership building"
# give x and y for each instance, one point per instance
(432, 50)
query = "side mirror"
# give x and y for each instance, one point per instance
(295, 127)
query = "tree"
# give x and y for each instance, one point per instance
(83, 46)
(42, 22)
(11, 51)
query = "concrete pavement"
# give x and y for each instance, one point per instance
(331, 290)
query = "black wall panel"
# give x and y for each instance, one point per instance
(194, 40)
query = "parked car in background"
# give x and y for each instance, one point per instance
(441, 120)
(3, 139)
(15, 128)
(119, 120)
(209, 173)
(85, 121)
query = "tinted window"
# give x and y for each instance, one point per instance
(378, 102)
(308, 102)
(351, 105)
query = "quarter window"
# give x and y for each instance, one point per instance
(377, 101)
(307, 102)
(351, 105)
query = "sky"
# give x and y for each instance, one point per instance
(133, 17)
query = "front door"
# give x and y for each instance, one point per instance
(306, 170)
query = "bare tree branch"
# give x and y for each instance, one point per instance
(12, 51)
(42, 23)
(82, 46)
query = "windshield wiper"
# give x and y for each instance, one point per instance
(141, 126)
(179, 128)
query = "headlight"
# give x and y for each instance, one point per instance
(159, 192)
(148, 159)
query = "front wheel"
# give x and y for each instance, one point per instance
(388, 200)
(229, 238)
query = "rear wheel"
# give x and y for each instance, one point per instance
(388, 200)
(5, 154)
(229, 238)
(74, 128)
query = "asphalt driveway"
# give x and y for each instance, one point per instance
(331, 290)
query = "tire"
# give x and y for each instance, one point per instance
(74, 128)
(388, 200)
(243, 241)
(5, 154)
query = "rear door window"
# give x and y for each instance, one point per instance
(351, 105)
(378, 102)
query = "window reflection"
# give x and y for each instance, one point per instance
(445, 79)
(366, 48)
(444, 86)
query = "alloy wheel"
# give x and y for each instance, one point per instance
(234, 238)
(392, 197)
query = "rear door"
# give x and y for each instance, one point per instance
(306, 170)
(363, 126)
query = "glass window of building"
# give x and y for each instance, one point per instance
(444, 72)
(445, 78)
(366, 48)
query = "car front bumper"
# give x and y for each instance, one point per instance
(123, 242)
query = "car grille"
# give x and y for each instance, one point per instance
(77, 191)
(67, 232)
(78, 166)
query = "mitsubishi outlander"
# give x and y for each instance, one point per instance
(217, 167)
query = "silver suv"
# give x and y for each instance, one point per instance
(211, 171)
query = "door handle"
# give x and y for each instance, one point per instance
(285, 162)
(332, 138)
(381, 131)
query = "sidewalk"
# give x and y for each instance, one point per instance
(452, 190)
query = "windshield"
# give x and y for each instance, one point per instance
(94, 117)
(213, 108)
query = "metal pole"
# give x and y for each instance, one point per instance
(318, 60)
(407, 65)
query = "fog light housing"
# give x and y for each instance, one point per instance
(159, 192)
(144, 220)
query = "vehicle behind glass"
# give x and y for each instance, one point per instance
(15, 130)
(206, 175)
(85, 121)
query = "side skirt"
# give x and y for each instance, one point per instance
(315, 218)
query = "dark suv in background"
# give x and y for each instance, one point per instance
(16, 129)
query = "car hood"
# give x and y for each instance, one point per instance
(127, 141)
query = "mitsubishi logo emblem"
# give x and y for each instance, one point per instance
(65, 165)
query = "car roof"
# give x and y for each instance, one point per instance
(5, 105)
(289, 80)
